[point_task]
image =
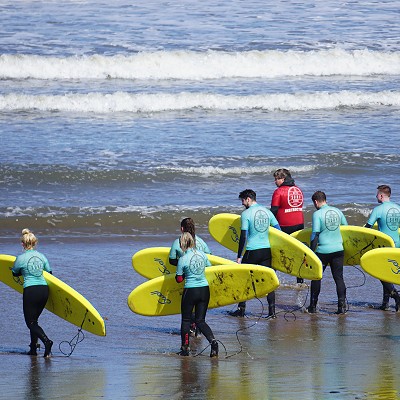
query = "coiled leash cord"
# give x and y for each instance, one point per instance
(78, 338)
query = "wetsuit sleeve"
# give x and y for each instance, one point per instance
(373, 217)
(180, 276)
(203, 245)
(173, 258)
(274, 210)
(368, 225)
(242, 242)
(314, 241)
(273, 221)
(16, 269)
(47, 267)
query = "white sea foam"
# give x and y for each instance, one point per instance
(202, 65)
(135, 103)
(240, 171)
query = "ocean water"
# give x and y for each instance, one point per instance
(119, 119)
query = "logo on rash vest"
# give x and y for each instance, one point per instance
(261, 221)
(332, 220)
(35, 266)
(295, 197)
(393, 219)
(196, 264)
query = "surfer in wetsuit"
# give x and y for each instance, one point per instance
(387, 215)
(255, 222)
(327, 243)
(196, 293)
(287, 204)
(187, 225)
(31, 265)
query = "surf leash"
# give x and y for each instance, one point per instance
(78, 338)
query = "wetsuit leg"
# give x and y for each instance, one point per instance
(387, 288)
(187, 305)
(202, 300)
(316, 285)
(336, 263)
(34, 301)
(260, 257)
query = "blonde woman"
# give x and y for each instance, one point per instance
(196, 292)
(31, 264)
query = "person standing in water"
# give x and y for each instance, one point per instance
(31, 264)
(196, 294)
(387, 215)
(255, 222)
(327, 243)
(287, 204)
(187, 225)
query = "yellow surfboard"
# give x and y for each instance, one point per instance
(357, 240)
(154, 262)
(383, 264)
(288, 255)
(63, 301)
(229, 284)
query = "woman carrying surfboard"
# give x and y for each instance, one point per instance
(31, 265)
(187, 225)
(196, 292)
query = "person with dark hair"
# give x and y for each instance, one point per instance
(387, 215)
(31, 265)
(196, 293)
(187, 225)
(255, 222)
(175, 253)
(287, 204)
(327, 243)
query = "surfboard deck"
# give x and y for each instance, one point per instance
(229, 284)
(383, 264)
(357, 240)
(64, 301)
(288, 255)
(153, 262)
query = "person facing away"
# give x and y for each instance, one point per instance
(196, 293)
(287, 204)
(187, 225)
(327, 243)
(31, 264)
(387, 215)
(254, 228)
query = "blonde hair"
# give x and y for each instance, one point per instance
(186, 241)
(28, 239)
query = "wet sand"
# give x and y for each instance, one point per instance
(296, 356)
